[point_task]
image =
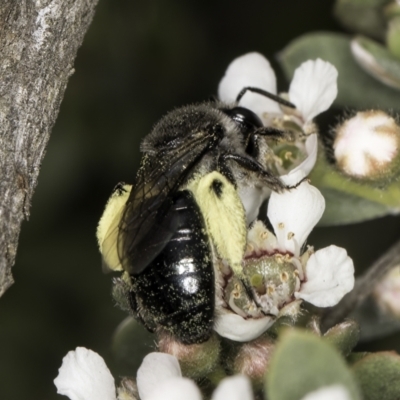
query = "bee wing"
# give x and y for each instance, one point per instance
(147, 224)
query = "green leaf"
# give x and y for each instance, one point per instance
(377, 61)
(393, 36)
(391, 10)
(130, 344)
(343, 336)
(363, 16)
(344, 208)
(353, 82)
(302, 363)
(349, 200)
(378, 375)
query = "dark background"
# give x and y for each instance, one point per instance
(138, 61)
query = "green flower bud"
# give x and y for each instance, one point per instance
(196, 360)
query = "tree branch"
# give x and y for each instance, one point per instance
(39, 40)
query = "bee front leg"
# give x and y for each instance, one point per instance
(271, 180)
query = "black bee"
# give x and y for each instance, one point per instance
(183, 211)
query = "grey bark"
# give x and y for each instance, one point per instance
(39, 40)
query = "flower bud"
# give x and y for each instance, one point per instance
(196, 360)
(253, 359)
(366, 146)
(344, 336)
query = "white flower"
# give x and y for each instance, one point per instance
(253, 70)
(253, 197)
(367, 145)
(312, 89)
(321, 278)
(235, 327)
(334, 392)
(329, 272)
(84, 376)
(236, 387)
(160, 378)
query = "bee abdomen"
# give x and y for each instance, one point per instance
(176, 291)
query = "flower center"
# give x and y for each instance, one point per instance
(273, 279)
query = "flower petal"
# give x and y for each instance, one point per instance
(294, 213)
(154, 370)
(175, 388)
(252, 198)
(251, 69)
(334, 392)
(313, 88)
(234, 388)
(308, 163)
(84, 375)
(330, 275)
(235, 327)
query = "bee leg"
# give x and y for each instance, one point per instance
(252, 165)
(252, 146)
(226, 171)
(136, 312)
(247, 288)
(275, 133)
(298, 183)
(250, 294)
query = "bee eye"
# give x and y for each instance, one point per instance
(245, 118)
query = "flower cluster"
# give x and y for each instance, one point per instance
(312, 91)
(274, 264)
(85, 376)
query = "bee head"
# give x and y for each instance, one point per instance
(248, 122)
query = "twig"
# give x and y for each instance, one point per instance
(363, 287)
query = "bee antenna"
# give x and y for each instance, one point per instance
(271, 96)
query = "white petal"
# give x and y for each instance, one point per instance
(236, 387)
(313, 88)
(330, 275)
(175, 388)
(251, 69)
(84, 376)
(155, 369)
(252, 198)
(334, 392)
(294, 213)
(234, 327)
(308, 163)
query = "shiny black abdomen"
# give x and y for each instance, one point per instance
(176, 290)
